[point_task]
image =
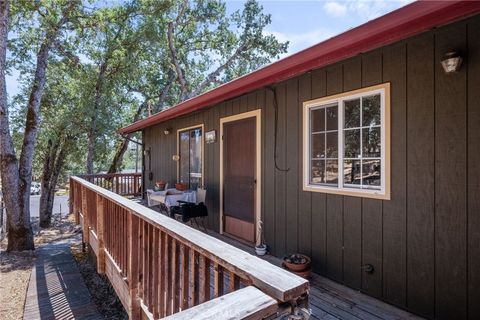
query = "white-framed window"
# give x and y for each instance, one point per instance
(190, 151)
(346, 143)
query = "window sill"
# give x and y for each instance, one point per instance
(370, 194)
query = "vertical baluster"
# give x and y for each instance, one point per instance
(194, 283)
(125, 216)
(122, 238)
(115, 239)
(151, 266)
(141, 259)
(148, 274)
(155, 271)
(120, 230)
(184, 267)
(126, 246)
(133, 274)
(234, 282)
(135, 185)
(100, 234)
(161, 265)
(169, 275)
(218, 274)
(205, 277)
(145, 259)
(85, 215)
(175, 274)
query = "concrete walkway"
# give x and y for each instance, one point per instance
(56, 289)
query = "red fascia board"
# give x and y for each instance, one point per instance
(405, 22)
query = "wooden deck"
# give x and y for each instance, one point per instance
(330, 300)
(160, 267)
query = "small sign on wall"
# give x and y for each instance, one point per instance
(211, 136)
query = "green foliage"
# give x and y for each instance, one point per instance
(120, 52)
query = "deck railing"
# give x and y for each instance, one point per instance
(124, 184)
(160, 267)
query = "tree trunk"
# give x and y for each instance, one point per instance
(123, 145)
(17, 174)
(54, 161)
(20, 235)
(92, 132)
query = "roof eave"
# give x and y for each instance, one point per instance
(395, 26)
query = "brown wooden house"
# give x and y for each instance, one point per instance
(361, 151)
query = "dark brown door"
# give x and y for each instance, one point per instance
(239, 157)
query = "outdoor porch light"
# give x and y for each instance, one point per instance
(146, 152)
(451, 62)
(166, 131)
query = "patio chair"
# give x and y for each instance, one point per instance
(151, 192)
(189, 211)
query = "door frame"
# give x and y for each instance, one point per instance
(258, 165)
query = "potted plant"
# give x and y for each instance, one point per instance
(160, 185)
(298, 264)
(181, 186)
(261, 248)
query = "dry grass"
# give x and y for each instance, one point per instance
(15, 269)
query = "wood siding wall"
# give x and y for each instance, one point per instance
(424, 244)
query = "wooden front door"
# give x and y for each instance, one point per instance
(239, 178)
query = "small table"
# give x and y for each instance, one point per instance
(170, 197)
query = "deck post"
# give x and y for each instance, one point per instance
(100, 234)
(134, 311)
(71, 201)
(86, 222)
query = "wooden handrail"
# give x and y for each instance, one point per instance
(166, 264)
(246, 303)
(125, 184)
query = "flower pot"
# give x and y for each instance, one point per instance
(297, 262)
(261, 250)
(181, 186)
(304, 273)
(160, 185)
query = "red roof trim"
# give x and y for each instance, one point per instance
(392, 27)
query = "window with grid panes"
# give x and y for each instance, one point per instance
(345, 143)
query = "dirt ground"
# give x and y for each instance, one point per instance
(103, 295)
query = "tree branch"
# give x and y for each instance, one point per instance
(174, 57)
(33, 108)
(163, 95)
(213, 75)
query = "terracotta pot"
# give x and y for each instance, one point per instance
(304, 274)
(181, 186)
(297, 267)
(161, 185)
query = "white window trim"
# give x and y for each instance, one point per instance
(384, 191)
(201, 126)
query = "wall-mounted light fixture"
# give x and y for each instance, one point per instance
(451, 62)
(146, 152)
(166, 131)
(175, 157)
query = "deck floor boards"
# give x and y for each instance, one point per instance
(330, 300)
(56, 289)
